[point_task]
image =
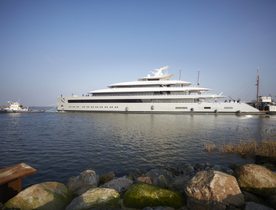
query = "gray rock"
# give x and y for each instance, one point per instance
(251, 197)
(95, 198)
(271, 200)
(107, 177)
(159, 208)
(120, 184)
(160, 177)
(213, 189)
(256, 206)
(185, 169)
(86, 180)
(179, 183)
(199, 167)
(183, 208)
(44, 196)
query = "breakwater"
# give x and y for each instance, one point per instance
(198, 186)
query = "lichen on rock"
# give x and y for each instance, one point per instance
(144, 195)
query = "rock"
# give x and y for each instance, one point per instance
(271, 200)
(44, 196)
(144, 195)
(160, 177)
(256, 206)
(199, 167)
(99, 198)
(86, 180)
(107, 177)
(183, 208)
(213, 189)
(251, 197)
(256, 179)
(159, 208)
(144, 179)
(185, 169)
(120, 184)
(179, 183)
(135, 173)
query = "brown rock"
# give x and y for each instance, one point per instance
(256, 179)
(144, 179)
(213, 189)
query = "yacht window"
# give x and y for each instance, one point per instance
(207, 107)
(181, 107)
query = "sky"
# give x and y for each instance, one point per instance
(49, 47)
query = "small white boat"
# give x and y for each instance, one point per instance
(265, 103)
(16, 107)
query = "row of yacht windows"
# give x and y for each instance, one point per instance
(150, 85)
(96, 107)
(116, 107)
(144, 93)
(133, 101)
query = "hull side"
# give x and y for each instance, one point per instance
(203, 107)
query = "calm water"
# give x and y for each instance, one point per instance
(61, 145)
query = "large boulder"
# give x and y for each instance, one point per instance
(144, 195)
(86, 180)
(44, 196)
(214, 190)
(256, 179)
(120, 184)
(95, 198)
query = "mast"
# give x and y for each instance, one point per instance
(258, 85)
(198, 74)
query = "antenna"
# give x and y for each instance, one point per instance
(258, 85)
(179, 74)
(198, 74)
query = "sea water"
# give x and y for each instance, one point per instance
(61, 145)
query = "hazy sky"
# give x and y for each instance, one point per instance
(48, 48)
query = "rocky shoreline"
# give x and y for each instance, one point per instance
(195, 187)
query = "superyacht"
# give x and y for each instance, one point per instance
(155, 93)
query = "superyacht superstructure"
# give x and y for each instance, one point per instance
(155, 93)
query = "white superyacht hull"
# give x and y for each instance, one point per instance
(155, 93)
(201, 107)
